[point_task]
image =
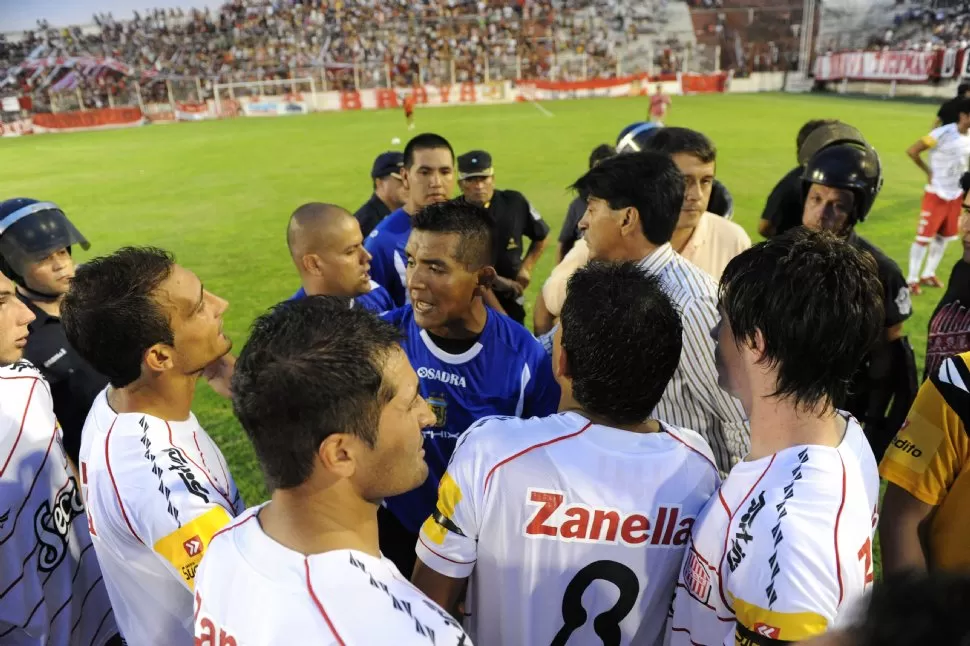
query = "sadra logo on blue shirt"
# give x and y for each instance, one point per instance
(442, 376)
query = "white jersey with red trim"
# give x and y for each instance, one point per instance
(784, 551)
(252, 591)
(51, 591)
(156, 493)
(571, 532)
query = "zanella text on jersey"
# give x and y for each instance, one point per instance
(442, 376)
(557, 519)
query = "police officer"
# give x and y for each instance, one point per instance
(35, 251)
(840, 183)
(634, 138)
(513, 218)
(389, 192)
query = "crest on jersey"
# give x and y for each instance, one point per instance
(440, 408)
(193, 546)
(903, 301)
(696, 577)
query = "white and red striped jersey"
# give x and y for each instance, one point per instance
(156, 492)
(51, 590)
(948, 157)
(571, 532)
(252, 591)
(784, 551)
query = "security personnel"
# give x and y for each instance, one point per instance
(514, 218)
(389, 192)
(633, 139)
(35, 251)
(840, 184)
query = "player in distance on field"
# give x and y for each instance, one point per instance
(52, 589)
(333, 409)
(155, 484)
(327, 247)
(785, 548)
(471, 361)
(551, 517)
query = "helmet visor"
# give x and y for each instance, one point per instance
(35, 232)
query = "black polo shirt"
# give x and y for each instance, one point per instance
(784, 206)
(721, 202)
(570, 232)
(514, 219)
(74, 383)
(371, 213)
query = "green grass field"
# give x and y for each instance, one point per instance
(218, 194)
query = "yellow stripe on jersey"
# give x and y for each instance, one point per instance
(184, 547)
(928, 141)
(449, 495)
(784, 626)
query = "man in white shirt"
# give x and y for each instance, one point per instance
(51, 590)
(156, 486)
(784, 551)
(531, 512)
(633, 206)
(333, 409)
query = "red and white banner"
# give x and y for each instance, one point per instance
(16, 128)
(88, 120)
(881, 66)
(192, 111)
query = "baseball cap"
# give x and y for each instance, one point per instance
(476, 163)
(389, 163)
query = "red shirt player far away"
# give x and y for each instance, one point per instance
(659, 104)
(409, 110)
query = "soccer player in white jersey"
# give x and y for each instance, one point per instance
(572, 527)
(784, 551)
(156, 486)
(334, 411)
(51, 590)
(949, 152)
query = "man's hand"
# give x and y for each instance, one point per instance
(219, 374)
(506, 285)
(523, 278)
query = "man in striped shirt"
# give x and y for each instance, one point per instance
(633, 205)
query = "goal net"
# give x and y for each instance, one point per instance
(270, 98)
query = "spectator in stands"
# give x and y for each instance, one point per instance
(783, 209)
(570, 233)
(389, 192)
(949, 112)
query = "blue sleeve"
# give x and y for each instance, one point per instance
(376, 300)
(542, 392)
(379, 265)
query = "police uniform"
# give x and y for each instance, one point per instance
(374, 210)
(74, 383)
(513, 218)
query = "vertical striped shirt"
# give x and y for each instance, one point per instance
(693, 399)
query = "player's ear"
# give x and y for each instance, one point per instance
(629, 221)
(404, 178)
(159, 358)
(757, 344)
(337, 455)
(486, 278)
(561, 364)
(312, 264)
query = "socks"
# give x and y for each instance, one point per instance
(937, 248)
(916, 254)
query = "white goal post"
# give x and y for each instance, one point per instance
(286, 87)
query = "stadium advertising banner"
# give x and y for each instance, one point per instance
(880, 66)
(273, 107)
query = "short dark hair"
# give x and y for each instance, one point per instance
(601, 152)
(811, 126)
(672, 141)
(110, 315)
(648, 181)
(311, 368)
(965, 182)
(623, 337)
(471, 222)
(963, 105)
(425, 141)
(962, 89)
(818, 304)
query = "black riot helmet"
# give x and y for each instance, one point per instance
(30, 231)
(633, 138)
(848, 166)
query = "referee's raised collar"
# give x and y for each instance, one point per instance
(655, 261)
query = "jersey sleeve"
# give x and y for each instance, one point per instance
(541, 392)
(381, 262)
(448, 540)
(535, 228)
(896, 296)
(174, 508)
(931, 139)
(932, 448)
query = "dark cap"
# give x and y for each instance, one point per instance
(476, 163)
(389, 163)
